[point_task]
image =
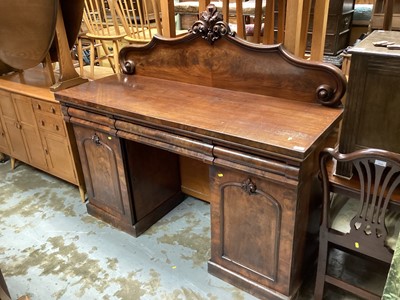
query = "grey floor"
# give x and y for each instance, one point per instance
(50, 248)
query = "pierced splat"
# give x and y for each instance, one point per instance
(378, 180)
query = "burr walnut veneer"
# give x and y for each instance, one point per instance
(254, 115)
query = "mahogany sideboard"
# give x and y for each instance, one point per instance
(254, 114)
(32, 128)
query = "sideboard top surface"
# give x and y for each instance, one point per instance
(261, 122)
(34, 82)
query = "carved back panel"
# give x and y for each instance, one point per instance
(211, 55)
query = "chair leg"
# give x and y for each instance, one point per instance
(108, 55)
(322, 265)
(80, 56)
(92, 58)
(116, 60)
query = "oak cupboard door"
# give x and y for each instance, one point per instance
(55, 141)
(58, 156)
(30, 132)
(12, 128)
(3, 141)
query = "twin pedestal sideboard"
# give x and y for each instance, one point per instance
(254, 115)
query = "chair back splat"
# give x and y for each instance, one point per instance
(358, 218)
(140, 19)
(103, 34)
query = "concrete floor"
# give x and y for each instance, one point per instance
(50, 248)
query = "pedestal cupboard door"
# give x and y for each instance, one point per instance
(12, 128)
(252, 235)
(104, 174)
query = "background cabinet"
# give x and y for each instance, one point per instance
(372, 104)
(338, 28)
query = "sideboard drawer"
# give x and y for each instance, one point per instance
(53, 124)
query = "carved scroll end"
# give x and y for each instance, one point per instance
(210, 25)
(128, 67)
(326, 96)
(249, 187)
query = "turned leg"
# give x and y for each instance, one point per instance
(12, 160)
(82, 192)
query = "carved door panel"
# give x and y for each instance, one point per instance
(250, 235)
(104, 174)
(11, 127)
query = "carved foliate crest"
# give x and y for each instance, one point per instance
(211, 25)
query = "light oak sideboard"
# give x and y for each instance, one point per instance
(32, 129)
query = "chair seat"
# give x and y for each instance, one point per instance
(344, 208)
(102, 37)
(141, 36)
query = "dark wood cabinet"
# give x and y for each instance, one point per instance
(338, 29)
(373, 101)
(129, 185)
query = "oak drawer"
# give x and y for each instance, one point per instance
(54, 124)
(46, 107)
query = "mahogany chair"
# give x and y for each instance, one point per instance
(140, 19)
(357, 219)
(103, 33)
